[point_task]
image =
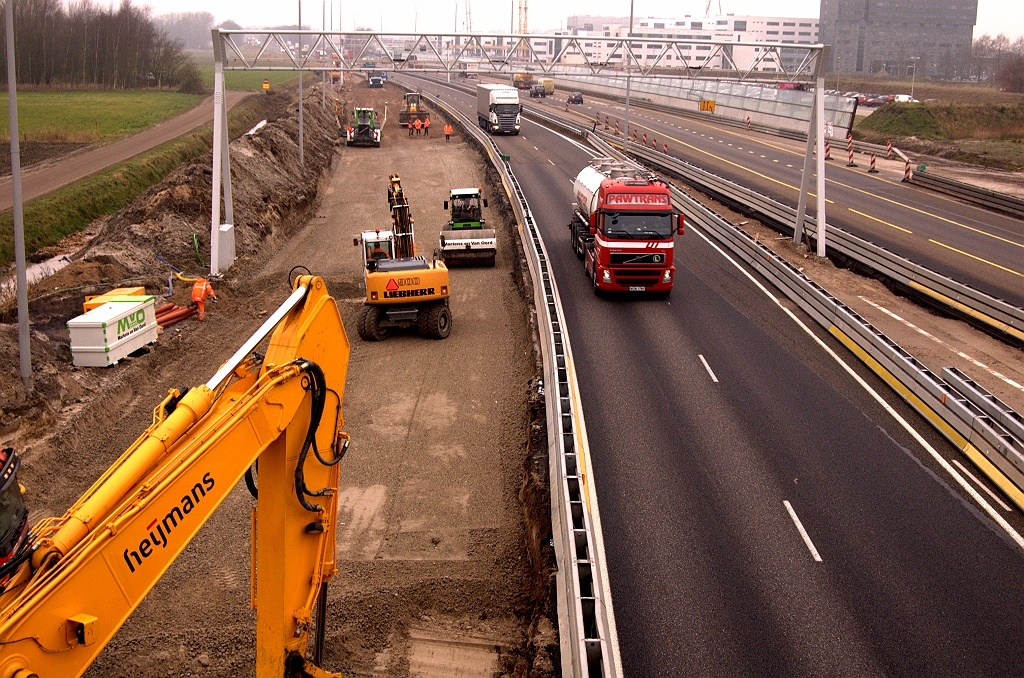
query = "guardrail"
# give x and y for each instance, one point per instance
(963, 420)
(587, 634)
(995, 200)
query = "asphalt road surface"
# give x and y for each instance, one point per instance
(979, 247)
(731, 451)
(51, 175)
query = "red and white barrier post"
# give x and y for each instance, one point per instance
(654, 143)
(616, 127)
(906, 171)
(664, 148)
(748, 123)
(828, 150)
(849, 150)
(645, 138)
(871, 168)
(888, 149)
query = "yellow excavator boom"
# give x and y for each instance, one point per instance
(88, 570)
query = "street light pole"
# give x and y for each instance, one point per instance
(302, 158)
(24, 346)
(629, 78)
(913, 79)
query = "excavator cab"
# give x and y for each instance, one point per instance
(377, 246)
(13, 514)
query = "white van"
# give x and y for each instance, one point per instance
(905, 99)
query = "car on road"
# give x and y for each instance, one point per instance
(906, 99)
(575, 98)
(538, 91)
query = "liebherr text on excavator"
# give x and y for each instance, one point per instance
(69, 583)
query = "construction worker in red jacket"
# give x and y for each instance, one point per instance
(447, 132)
(426, 126)
(200, 291)
(418, 125)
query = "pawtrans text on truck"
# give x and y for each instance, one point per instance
(623, 228)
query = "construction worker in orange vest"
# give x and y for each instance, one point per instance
(410, 127)
(200, 291)
(426, 126)
(447, 132)
(418, 124)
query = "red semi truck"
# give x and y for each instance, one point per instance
(623, 228)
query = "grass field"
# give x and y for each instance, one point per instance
(88, 116)
(947, 122)
(248, 80)
(70, 209)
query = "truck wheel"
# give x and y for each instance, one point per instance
(577, 243)
(436, 321)
(368, 325)
(597, 290)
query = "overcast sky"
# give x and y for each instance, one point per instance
(994, 16)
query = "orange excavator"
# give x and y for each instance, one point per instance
(67, 584)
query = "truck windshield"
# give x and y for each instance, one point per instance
(466, 209)
(506, 109)
(638, 225)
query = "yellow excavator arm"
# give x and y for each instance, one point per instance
(79, 577)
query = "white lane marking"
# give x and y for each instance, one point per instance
(575, 143)
(963, 355)
(803, 532)
(982, 486)
(552, 162)
(708, 368)
(535, 148)
(967, 487)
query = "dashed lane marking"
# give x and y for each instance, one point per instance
(802, 531)
(708, 368)
(976, 258)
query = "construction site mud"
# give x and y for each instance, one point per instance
(444, 556)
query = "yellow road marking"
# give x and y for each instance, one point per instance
(920, 211)
(868, 216)
(986, 467)
(984, 261)
(963, 308)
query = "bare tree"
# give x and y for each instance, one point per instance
(86, 44)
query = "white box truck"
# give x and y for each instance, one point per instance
(498, 108)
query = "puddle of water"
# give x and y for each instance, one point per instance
(33, 274)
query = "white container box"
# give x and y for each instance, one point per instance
(108, 333)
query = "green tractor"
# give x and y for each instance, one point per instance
(364, 130)
(466, 240)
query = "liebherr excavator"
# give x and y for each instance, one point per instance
(69, 583)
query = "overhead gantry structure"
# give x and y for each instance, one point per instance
(502, 54)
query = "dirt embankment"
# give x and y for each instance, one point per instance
(444, 557)
(981, 134)
(172, 219)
